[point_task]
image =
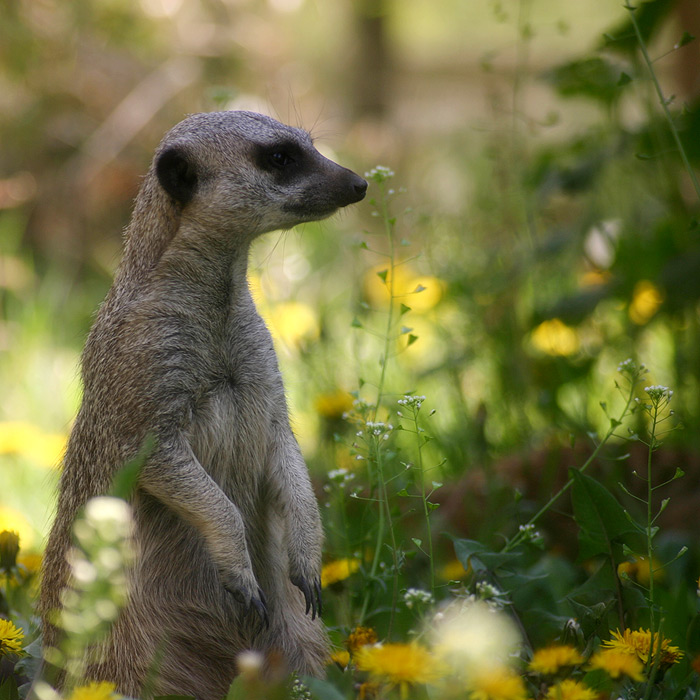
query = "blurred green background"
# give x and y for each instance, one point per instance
(547, 214)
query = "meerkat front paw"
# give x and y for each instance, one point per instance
(311, 588)
(245, 590)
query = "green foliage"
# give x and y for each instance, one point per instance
(465, 455)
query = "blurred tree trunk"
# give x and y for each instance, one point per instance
(688, 65)
(373, 77)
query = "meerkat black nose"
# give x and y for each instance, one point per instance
(357, 189)
(360, 188)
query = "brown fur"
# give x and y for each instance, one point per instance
(228, 532)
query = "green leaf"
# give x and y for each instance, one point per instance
(416, 541)
(404, 309)
(405, 329)
(411, 339)
(125, 479)
(601, 518)
(419, 288)
(465, 549)
(403, 492)
(322, 690)
(8, 690)
(685, 39)
(432, 506)
(624, 79)
(356, 323)
(382, 275)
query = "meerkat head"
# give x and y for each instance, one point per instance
(245, 173)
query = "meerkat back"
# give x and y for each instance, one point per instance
(228, 534)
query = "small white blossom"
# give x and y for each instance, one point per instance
(416, 596)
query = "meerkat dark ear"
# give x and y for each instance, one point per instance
(177, 174)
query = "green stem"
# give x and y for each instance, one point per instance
(518, 538)
(663, 102)
(426, 511)
(383, 493)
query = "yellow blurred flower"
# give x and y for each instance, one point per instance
(419, 292)
(377, 283)
(452, 571)
(570, 690)
(334, 404)
(11, 519)
(399, 665)
(31, 562)
(27, 440)
(431, 291)
(554, 337)
(499, 683)
(551, 659)
(638, 569)
(10, 638)
(638, 642)
(646, 300)
(341, 657)
(293, 323)
(617, 663)
(360, 637)
(338, 570)
(96, 690)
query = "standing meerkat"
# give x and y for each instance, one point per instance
(227, 529)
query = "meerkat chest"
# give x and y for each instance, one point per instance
(237, 420)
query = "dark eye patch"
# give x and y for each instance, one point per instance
(283, 157)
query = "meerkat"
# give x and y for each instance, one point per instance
(227, 529)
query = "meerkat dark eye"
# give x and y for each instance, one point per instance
(280, 159)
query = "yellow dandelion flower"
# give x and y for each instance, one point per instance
(570, 690)
(31, 562)
(554, 657)
(453, 571)
(11, 519)
(340, 657)
(400, 665)
(293, 323)
(10, 638)
(360, 637)
(617, 664)
(638, 569)
(638, 642)
(646, 300)
(28, 440)
(554, 337)
(333, 405)
(499, 683)
(102, 690)
(338, 570)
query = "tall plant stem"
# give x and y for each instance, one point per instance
(663, 101)
(614, 424)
